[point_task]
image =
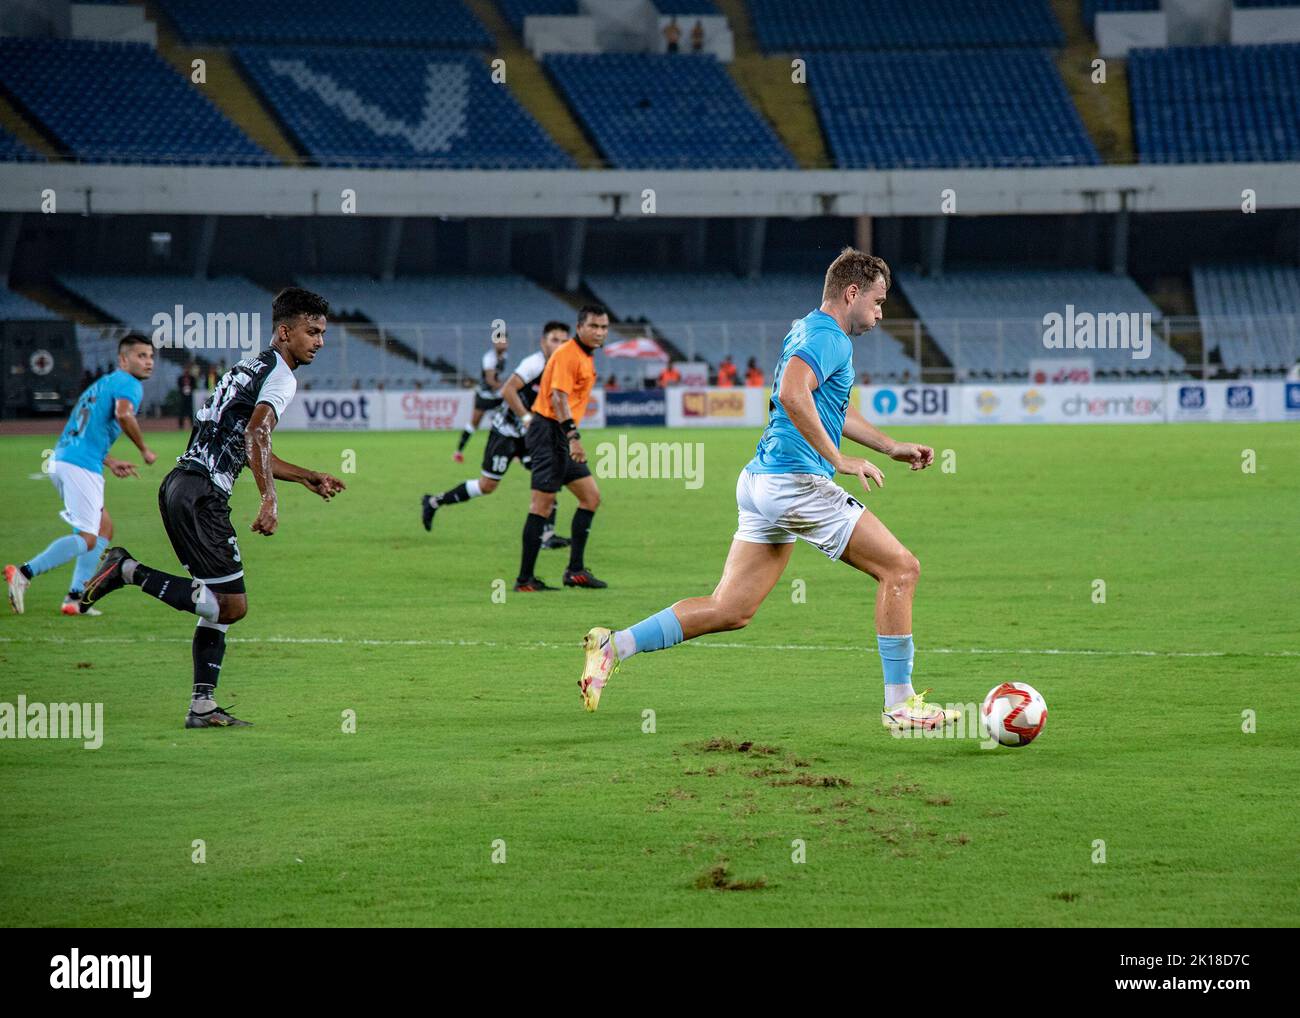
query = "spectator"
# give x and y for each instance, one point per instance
(612, 384)
(697, 36)
(669, 376)
(727, 373)
(753, 374)
(866, 378)
(672, 35)
(185, 386)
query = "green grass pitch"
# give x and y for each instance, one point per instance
(470, 732)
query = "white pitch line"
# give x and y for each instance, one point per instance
(710, 645)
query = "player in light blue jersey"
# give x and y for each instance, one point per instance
(104, 411)
(787, 492)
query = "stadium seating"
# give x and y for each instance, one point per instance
(98, 346)
(1250, 314)
(1211, 104)
(134, 300)
(954, 108)
(660, 111)
(14, 307)
(708, 316)
(14, 151)
(989, 323)
(516, 10)
(446, 23)
(119, 102)
(686, 8)
(454, 315)
(398, 108)
(782, 26)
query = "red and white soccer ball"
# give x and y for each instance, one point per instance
(1013, 713)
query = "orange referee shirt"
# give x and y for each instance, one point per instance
(570, 370)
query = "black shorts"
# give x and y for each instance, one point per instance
(498, 453)
(485, 403)
(548, 448)
(197, 517)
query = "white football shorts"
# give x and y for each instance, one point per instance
(82, 492)
(777, 508)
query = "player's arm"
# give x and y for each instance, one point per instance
(858, 429)
(124, 411)
(796, 394)
(493, 382)
(324, 485)
(560, 404)
(510, 393)
(257, 440)
(120, 468)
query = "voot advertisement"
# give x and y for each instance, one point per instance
(398, 410)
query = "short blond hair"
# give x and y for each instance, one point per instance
(853, 266)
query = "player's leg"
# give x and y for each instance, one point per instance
(82, 492)
(550, 539)
(475, 416)
(751, 571)
(85, 568)
(874, 550)
(545, 446)
(588, 495)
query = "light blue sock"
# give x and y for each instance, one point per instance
(86, 563)
(62, 549)
(658, 632)
(896, 653)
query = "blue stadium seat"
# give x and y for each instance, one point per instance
(989, 323)
(397, 108)
(783, 26)
(660, 111)
(14, 151)
(14, 306)
(911, 109)
(426, 23)
(1216, 104)
(709, 315)
(119, 102)
(1250, 314)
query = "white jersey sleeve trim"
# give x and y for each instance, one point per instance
(279, 388)
(531, 367)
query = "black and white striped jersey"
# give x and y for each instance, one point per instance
(530, 371)
(217, 446)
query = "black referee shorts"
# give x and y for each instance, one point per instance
(197, 517)
(548, 452)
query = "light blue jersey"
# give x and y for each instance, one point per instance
(823, 346)
(92, 429)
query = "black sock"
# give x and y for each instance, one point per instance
(170, 590)
(457, 494)
(581, 527)
(532, 545)
(26, 570)
(465, 436)
(209, 648)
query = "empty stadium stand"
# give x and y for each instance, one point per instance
(708, 316)
(947, 108)
(434, 327)
(16, 307)
(1212, 104)
(989, 323)
(397, 108)
(1250, 314)
(118, 102)
(444, 23)
(651, 111)
(783, 26)
(516, 10)
(14, 151)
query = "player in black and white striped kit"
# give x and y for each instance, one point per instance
(487, 397)
(233, 429)
(506, 437)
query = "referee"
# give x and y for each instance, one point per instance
(555, 450)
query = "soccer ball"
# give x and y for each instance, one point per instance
(1013, 713)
